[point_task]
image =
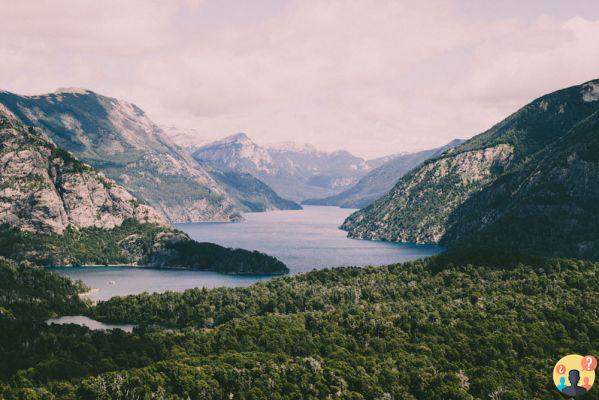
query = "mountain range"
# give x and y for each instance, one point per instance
(117, 138)
(529, 183)
(57, 210)
(293, 172)
(187, 138)
(46, 190)
(381, 179)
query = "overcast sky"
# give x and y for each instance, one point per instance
(373, 77)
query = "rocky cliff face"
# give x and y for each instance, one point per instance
(548, 205)
(526, 182)
(56, 210)
(119, 139)
(44, 189)
(428, 196)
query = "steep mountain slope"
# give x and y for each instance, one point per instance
(118, 138)
(56, 210)
(250, 194)
(380, 180)
(294, 173)
(45, 189)
(548, 205)
(527, 183)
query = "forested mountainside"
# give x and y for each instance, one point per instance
(293, 173)
(381, 179)
(56, 210)
(117, 138)
(32, 293)
(529, 183)
(468, 325)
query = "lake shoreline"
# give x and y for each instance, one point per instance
(91, 266)
(83, 320)
(304, 240)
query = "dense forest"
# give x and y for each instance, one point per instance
(467, 325)
(132, 240)
(33, 293)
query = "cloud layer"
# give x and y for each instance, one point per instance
(374, 77)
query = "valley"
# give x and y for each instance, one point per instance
(289, 200)
(296, 172)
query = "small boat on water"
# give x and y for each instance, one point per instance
(111, 282)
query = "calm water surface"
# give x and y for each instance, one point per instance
(304, 240)
(90, 323)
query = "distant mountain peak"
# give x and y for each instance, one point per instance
(293, 146)
(236, 138)
(188, 138)
(341, 153)
(73, 90)
(294, 171)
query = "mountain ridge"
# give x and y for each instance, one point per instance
(118, 138)
(468, 193)
(293, 173)
(57, 210)
(381, 179)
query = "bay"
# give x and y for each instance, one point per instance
(303, 239)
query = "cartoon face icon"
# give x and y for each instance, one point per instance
(574, 374)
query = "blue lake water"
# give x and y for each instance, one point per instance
(303, 239)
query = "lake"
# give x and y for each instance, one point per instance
(90, 323)
(303, 239)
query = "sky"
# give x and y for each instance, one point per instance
(374, 77)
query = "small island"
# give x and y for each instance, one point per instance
(134, 244)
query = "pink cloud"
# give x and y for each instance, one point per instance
(374, 77)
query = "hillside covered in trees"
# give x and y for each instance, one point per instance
(469, 325)
(529, 183)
